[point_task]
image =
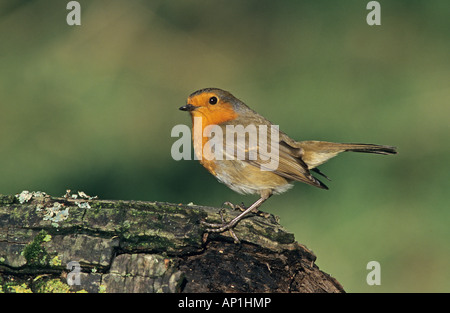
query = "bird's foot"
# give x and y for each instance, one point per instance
(219, 228)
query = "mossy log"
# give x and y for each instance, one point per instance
(48, 243)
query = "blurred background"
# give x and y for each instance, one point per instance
(92, 107)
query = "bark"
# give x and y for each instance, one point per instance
(47, 243)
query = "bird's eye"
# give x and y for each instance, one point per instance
(213, 100)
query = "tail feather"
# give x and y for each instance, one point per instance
(316, 170)
(369, 148)
(315, 153)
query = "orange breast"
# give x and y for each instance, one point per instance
(211, 115)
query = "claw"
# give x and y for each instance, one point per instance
(235, 206)
(218, 228)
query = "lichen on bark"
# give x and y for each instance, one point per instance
(137, 246)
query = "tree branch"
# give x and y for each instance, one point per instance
(136, 246)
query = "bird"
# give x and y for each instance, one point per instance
(252, 174)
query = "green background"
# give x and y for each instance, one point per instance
(91, 108)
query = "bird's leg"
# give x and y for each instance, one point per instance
(232, 234)
(218, 228)
(242, 208)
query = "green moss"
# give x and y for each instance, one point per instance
(52, 286)
(40, 284)
(43, 284)
(102, 289)
(55, 261)
(35, 252)
(16, 288)
(136, 243)
(105, 205)
(96, 205)
(170, 208)
(6, 199)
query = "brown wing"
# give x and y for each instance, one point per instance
(286, 163)
(290, 165)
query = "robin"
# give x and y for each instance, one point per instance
(295, 160)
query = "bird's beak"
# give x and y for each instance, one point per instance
(188, 107)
